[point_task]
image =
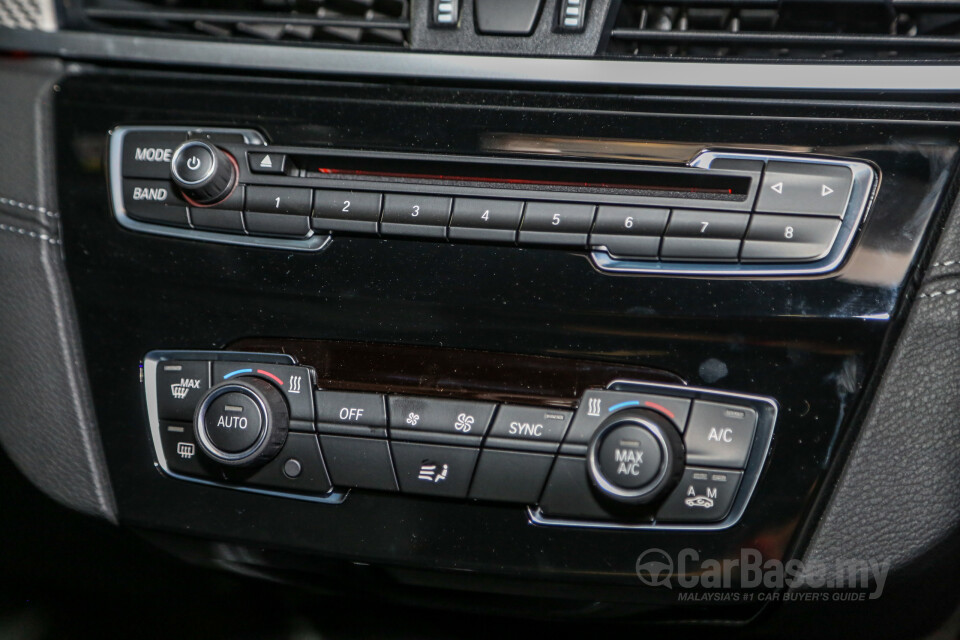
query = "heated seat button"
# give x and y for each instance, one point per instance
(364, 463)
(154, 201)
(805, 188)
(534, 428)
(298, 467)
(703, 495)
(415, 215)
(434, 470)
(704, 235)
(181, 451)
(556, 223)
(510, 476)
(629, 232)
(596, 405)
(355, 211)
(719, 435)
(180, 384)
(788, 238)
(487, 220)
(413, 417)
(296, 384)
(147, 154)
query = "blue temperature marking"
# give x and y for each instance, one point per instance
(628, 403)
(237, 372)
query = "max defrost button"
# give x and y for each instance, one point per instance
(719, 435)
(179, 387)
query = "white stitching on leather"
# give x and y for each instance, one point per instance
(26, 232)
(29, 207)
(934, 294)
(946, 263)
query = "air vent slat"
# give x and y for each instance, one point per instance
(757, 29)
(380, 23)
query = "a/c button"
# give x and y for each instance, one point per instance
(719, 435)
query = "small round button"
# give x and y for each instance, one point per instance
(233, 422)
(292, 468)
(629, 456)
(193, 163)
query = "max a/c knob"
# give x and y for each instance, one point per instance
(635, 456)
(204, 173)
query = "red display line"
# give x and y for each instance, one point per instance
(547, 183)
(661, 409)
(271, 376)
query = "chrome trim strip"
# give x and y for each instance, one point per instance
(150, 363)
(863, 187)
(751, 473)
(301, 60)
(314, 242)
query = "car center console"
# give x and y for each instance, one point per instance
(442, 341)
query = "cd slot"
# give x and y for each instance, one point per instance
(647, 181)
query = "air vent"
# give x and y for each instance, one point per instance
(349, 22)
(767, 29)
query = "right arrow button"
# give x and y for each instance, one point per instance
(805, 188)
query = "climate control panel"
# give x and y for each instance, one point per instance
(633, 454)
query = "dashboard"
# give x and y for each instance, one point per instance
(636, 315)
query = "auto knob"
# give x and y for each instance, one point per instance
(204, 173)
(242, 422)
(635, 456)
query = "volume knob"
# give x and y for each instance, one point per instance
(204, 173)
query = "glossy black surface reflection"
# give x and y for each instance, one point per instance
(812, 343)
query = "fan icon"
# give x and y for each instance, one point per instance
(413, 419)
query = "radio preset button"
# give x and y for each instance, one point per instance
(629, 232)
(356, 211)
(415, 215)
(788, 238)
(487, 220)
(556, 223)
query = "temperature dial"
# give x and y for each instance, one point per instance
(243, 422)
